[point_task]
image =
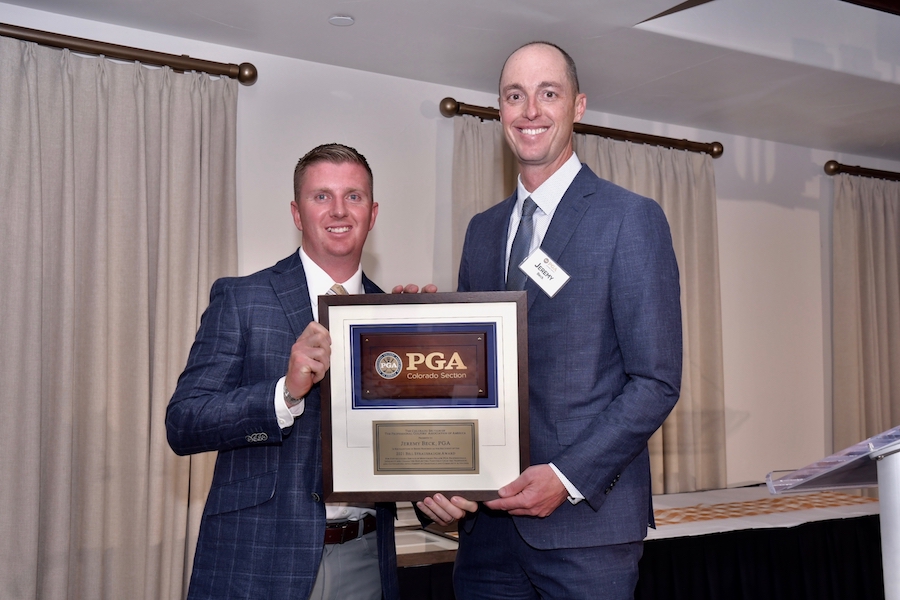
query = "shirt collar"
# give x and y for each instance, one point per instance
(319, 282)
(548, 195)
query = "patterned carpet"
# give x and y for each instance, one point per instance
(764, 506)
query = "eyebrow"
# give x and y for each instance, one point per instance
(542, 85)
(331, 192)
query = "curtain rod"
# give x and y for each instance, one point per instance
(245, 72)
(833, 167)
(451, 108)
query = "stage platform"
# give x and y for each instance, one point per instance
(732, 544)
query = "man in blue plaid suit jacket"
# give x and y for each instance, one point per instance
(250, 391)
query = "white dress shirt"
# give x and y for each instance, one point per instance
(547, 197)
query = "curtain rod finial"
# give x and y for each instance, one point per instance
(449, 107)
(716, 149)
(832, 167)
(247, 74)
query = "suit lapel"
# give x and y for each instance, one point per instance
(369, 287)
(495, 254)
(289, 283)
(571, 209)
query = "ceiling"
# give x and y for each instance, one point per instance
(816, 73)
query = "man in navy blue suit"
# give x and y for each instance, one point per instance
(604, 355)
(250, 391)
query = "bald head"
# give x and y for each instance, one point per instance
(571, 72)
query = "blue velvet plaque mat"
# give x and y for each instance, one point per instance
(489, 401)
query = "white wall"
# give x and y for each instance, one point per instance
(774, 212)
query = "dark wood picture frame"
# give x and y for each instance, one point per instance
(521, 355)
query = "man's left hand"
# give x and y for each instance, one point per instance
(537, 492)
(443, 511)
(412, 288)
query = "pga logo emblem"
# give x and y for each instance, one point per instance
(388, 365)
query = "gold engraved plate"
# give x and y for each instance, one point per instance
(426, 447)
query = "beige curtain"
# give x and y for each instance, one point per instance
(484, 172)
(117, 188)
(866, 308)
(688, 451)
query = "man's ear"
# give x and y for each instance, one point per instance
(580, 106)
(295, 213)
(374, 214)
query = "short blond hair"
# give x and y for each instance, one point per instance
(333, 153)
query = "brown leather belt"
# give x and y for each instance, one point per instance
(338, 533)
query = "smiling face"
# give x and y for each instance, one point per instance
(335, 212)
(538, 108)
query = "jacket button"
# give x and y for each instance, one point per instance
(316, 497)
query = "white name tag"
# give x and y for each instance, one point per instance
(546, 273)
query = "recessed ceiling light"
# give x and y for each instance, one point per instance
(341, 20)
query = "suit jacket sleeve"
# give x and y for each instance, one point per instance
(644, 300)
(223, 399)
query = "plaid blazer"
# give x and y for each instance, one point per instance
(262, 530)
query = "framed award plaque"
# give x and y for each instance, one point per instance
(426, 393)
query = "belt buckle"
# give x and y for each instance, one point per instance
(345, 530)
